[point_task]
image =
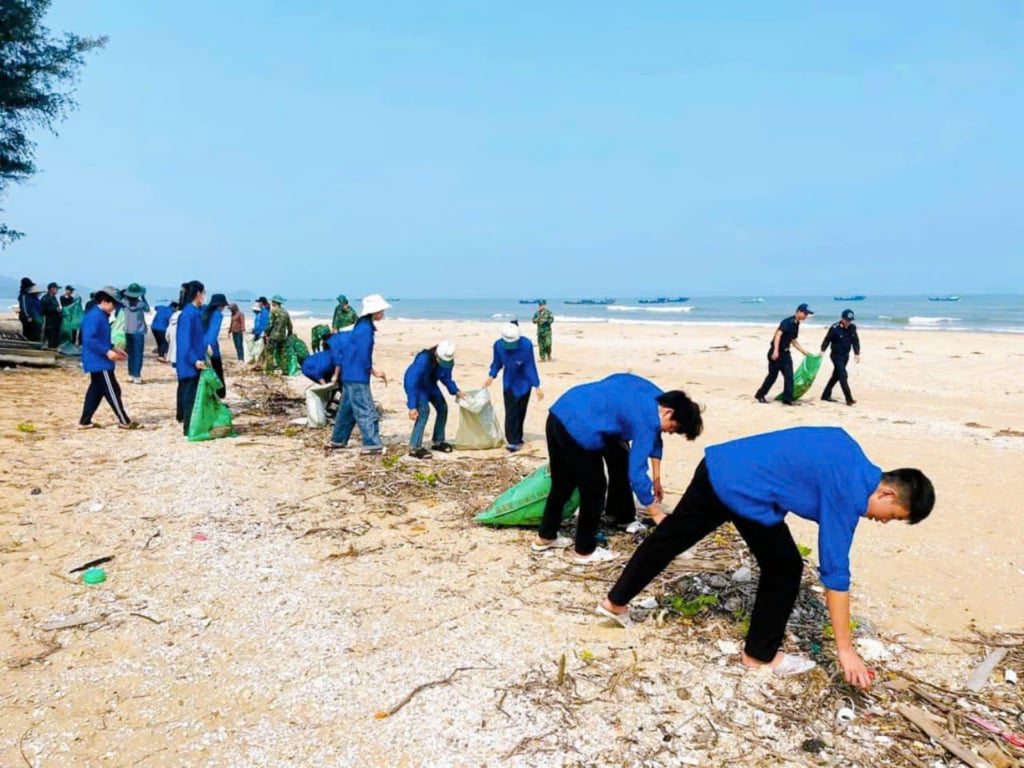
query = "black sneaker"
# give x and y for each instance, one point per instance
(443, 447)
(760, 398)
(851, 402)
(827, 399)
(419, 453)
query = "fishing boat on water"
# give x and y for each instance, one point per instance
(943, 298)
(529, 301)
(590, 302)
(753, 300)
(855, 297)
(665, 300)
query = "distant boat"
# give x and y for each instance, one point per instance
(855, 297)
(943, 298)
(392, 298)
(665, 300)
(590, 301)
(755, 300)
(529, 301)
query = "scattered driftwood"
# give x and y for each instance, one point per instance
(980, 676)
(424, 686)
(92, 564)
(923, 720)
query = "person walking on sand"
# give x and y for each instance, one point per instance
(513, 353)
(357, 406)
(344, 315)
(841, 337)
(817, 473)
(582, 426)
(213, 319)
(99, 360)
(277, 333)
(135, 309)
(190, 349)
(237, 330)
(779, 358)
(429, 368)
(543, 319)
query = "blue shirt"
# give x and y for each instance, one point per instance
(421, 379)
(319, 365)
(262, 321)
(162, 318)
(336, 344)
(212, 333)
(96, 341)
(357, 352)
(189, 341)
(817, 473)
(620, 407)
(520, 367)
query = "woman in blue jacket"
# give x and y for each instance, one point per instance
(190, 349)
(513, 352)
(213, 319)
(356, 368)
(429, 367)
(262, 322)
(98, 360)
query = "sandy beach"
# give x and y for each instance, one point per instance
(273, 604)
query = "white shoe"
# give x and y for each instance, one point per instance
(561, 542)
(599, 555)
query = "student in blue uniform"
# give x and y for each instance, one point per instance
(513, 353)
(190, 350)
(582, 425)
(357, 405)
(161, 322)
(99, 359)
(213, 319)
(429, 368)
(817, 473)
(320, 367)
(779, 358)
(841, 336)
(262, 322)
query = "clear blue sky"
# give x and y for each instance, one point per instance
(473, 149)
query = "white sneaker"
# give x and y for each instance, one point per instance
(560, 542)
(599, 555)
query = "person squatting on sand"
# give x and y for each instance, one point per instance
(586, 429)
(357, 406)
(779, 358)
(190, 349)
(513, 352)
(818, 473)
(99, 360)
(428, 368)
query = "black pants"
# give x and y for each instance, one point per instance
(187, 390)
(515, 416)
(619, 508)
(839, 377)
(218, 367)
(51, 330)
(698, 513)
(161, 342)
(783, 365)
(572, 467)
(103, 386)
(31, 330)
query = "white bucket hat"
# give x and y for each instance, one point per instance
(373, 304)
(446, 350)
(510, 333)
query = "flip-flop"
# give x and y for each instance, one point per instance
(559, 543)
(88, 426)
(793, 665)
(129, 425)
(622, 619)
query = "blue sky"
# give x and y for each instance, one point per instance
(474, 149)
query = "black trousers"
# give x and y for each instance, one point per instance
(698, 513)
(515, 416)
(31, 330)
(218, 367)
(51, 330)
(187, 390)
(161, 342)
(783, 365)
(839, 377)
(619, 508)
(103, 386)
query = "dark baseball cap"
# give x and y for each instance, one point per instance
(804, 308)
(847, 314)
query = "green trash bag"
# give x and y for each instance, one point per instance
(319, 331)
(71, 320)
(210, 417)
(803, 377)
(295, 352)
(523, 503)
(117, 334)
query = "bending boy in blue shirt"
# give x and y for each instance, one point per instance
(817, 473)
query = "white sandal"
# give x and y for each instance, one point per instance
(560, 542)
(622, 619)
(793, 665)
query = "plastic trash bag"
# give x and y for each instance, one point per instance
(803, 376)
(253, 349)
(117, 332)
(318, 397)
(478, 424)
(71, 321)
(523, 503)
(210, 417)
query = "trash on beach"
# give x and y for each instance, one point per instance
(92, 564)
(523, 503)
(478, 424)
(94, 576)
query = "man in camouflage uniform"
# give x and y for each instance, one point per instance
(320, 331)
(278, 331)
(543, 319)
(344, 315)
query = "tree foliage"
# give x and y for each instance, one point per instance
(38, 72)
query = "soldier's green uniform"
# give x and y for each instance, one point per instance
(319, 331)
(543, 319)
(344, 315)
(278, 331)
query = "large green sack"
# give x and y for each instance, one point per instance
(117, 333)
(803, 377)
(71, 320)
(295, 351)
(523, 503)
(210, 417)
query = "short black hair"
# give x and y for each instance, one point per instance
(914, 491)
(685, 413)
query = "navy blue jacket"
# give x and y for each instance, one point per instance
(190, 342)
(96, 341)
(422, 377)
(520, 367)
